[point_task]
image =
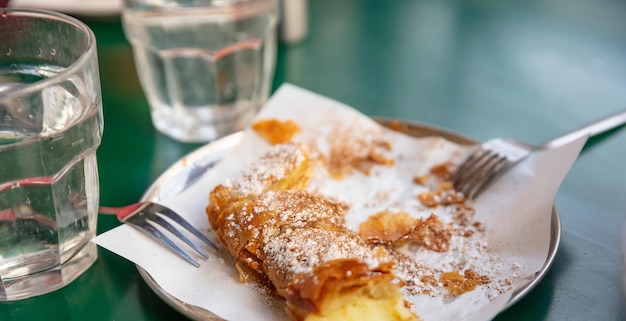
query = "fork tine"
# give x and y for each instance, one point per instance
(473, 166)
(166, 241)
(498, 170)
(486, 163)
(478, 172)
(481, 180)
(474, 175)
(176, 218)
(159, 220)
(469, 162)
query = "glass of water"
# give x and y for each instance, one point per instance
(50, 127)
(206, 66)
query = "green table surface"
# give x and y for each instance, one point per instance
(524, 69)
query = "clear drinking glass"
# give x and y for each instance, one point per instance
(50, 127)
(206, 66)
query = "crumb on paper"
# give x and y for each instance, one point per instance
(444, 195)
(421, 180)
(386, 227)
(443, 171)
(276, 131)
(400, 228)
(458, 284)
(434, 234)
(379, 158)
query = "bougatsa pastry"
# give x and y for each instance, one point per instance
(298, 242)
(286, 166)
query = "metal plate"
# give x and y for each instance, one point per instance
(184, 173)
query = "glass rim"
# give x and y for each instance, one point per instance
(78, 63)
(145, 5)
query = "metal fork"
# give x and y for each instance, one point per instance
(494, 157)
(144, 215)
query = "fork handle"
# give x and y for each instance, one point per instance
(121, 212)
(592, 129)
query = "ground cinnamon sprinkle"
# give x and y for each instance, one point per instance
(461, 264)
(351, 152)
(441, 255)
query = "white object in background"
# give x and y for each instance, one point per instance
(294, 20)
(87, 8)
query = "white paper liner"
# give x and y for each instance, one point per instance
(516, 211)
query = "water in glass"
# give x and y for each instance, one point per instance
(205, 71)
(48, 183)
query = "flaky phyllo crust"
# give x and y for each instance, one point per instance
(297, 241)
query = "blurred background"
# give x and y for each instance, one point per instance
(484, 68)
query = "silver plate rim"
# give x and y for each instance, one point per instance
(215, 151)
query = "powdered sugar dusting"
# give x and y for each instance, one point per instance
(517, 213)
(366, 174)
(363, 175)
(256, 176)
(287, 232)
(305, 249)
(395, 188)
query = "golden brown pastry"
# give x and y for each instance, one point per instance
(285, 166)
(298, 242)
